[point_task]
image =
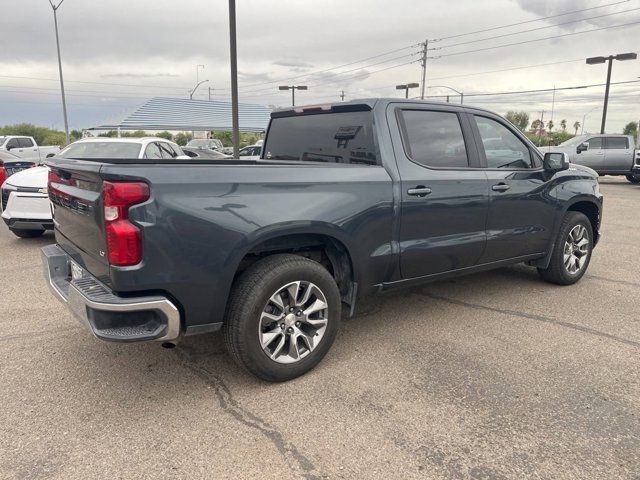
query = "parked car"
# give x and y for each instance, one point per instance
(606, 154)
(204, 153)
(10, 164)
(26, 148)
(206, 143)
(251, 152)
(25, 203)
(227, 151)
(351, 199)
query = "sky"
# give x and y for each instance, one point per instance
(118, 53)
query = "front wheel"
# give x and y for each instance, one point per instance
(571, 251)
(26, 233)
(283, 316)
(634, 178)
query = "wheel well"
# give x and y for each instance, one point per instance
(591, 211)
(326, 250)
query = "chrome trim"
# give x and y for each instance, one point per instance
(77, 301)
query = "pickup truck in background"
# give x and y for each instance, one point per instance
(347, 200)
(606, 154)
(26, 148)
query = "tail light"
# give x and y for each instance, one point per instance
(3, 173)
(124, 242)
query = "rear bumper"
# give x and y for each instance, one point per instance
(108, 316)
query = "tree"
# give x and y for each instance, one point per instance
(631, 128)
(550, 125)
(182, 138)
(576, 126)
(563, 125)
(536, 125)
(519, 119)
(165, 134)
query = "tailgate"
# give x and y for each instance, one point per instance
(75, 189)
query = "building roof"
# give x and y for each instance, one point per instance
(199, 115)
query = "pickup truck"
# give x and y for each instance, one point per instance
(606, 154)
(26, 148)
(347, 200)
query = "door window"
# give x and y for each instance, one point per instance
(13, 143)
(502, 148)
(152, 151)
(434, 139)
(25, 142)
(595, 143)
(617, 143)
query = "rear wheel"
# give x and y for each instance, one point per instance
(633, 178)
(26, 233)
(571, 251)
(283, 316)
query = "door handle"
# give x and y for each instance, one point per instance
(419, 191)
(501, 187)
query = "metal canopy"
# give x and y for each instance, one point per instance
(198, 115)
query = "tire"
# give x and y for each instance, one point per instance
(26, 233)
(263, 336)
(577, 262)
(635, 179)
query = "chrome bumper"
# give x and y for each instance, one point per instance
(108, 316)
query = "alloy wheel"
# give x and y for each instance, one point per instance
(576, 249)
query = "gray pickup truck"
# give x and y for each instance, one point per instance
(606, 154)
(347, 200)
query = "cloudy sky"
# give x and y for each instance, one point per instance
(118, 53)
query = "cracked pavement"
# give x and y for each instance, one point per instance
(490, 376)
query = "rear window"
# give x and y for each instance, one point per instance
(328, 137)
(101, 150)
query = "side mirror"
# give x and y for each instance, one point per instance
(583, 147)
(556, 161)
(10, 147)
(49, 155)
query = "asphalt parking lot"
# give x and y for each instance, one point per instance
(495, 375)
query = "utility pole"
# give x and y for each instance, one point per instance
(64, 101)
(209, 93)
(342, 95)
(234, 78)
(425, 46)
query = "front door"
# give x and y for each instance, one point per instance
(593, 157)
(521, 209)
(444, 192)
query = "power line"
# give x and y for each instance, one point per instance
(95, 83)
(536, 40)
(538, 28)
(529, 21)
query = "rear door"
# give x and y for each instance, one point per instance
(444, 191)
(521, 209)
(618, 154)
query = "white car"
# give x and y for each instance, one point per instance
(251, 152)
(25, 200)
(26, 148)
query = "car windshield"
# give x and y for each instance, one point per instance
(101, 150)
(573, 142)
(2, 139)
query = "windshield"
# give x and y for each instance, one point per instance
(101, 150)
(199, 143)
(573, 142)
(2, 139)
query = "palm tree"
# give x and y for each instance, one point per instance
(563, 125)
(550, 125)
(576, 126)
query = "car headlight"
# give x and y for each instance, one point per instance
(8, 186)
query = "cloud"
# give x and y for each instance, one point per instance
(138, 75)
(295, 64)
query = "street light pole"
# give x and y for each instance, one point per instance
(195, 88)
(610, 59)
(64, 101)
(234, 78)
(293, 89)
(584, 118)
(406, 87)
(452, 89)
